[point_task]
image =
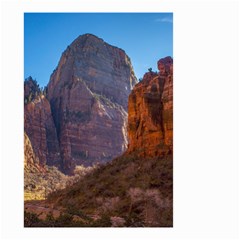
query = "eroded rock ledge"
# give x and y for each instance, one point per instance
(150, 112)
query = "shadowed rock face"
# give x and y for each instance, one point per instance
(150, 112)
(88, 93)
(40, 128)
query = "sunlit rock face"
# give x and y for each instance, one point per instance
(88, 94)
(31, 161)
(150, 112)
(29, 156)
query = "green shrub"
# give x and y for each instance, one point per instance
(151, 177)
(30, 219)
(104, 221)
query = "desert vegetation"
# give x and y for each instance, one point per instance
(127, 192)
(39, 184)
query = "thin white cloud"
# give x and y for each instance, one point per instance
(166, 19)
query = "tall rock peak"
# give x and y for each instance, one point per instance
(105, 69)
(87, 36)
(88, 93)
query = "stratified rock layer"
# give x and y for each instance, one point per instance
(40, 128)
(150, 112)
(88, 93)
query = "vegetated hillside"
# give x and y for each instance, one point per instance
(38, 184)
(40, 180)
(136, 189)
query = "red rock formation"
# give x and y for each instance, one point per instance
(150, 112)
(88, 94)
(39, 126)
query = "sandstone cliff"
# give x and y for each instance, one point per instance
(40, 128)
(29, 156)
(150, 112)
(88, 93)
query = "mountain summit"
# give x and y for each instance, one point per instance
(88, 95)
(105, 69)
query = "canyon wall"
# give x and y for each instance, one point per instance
(82, 116)
(150, 112)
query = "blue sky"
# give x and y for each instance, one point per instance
(145, 37)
